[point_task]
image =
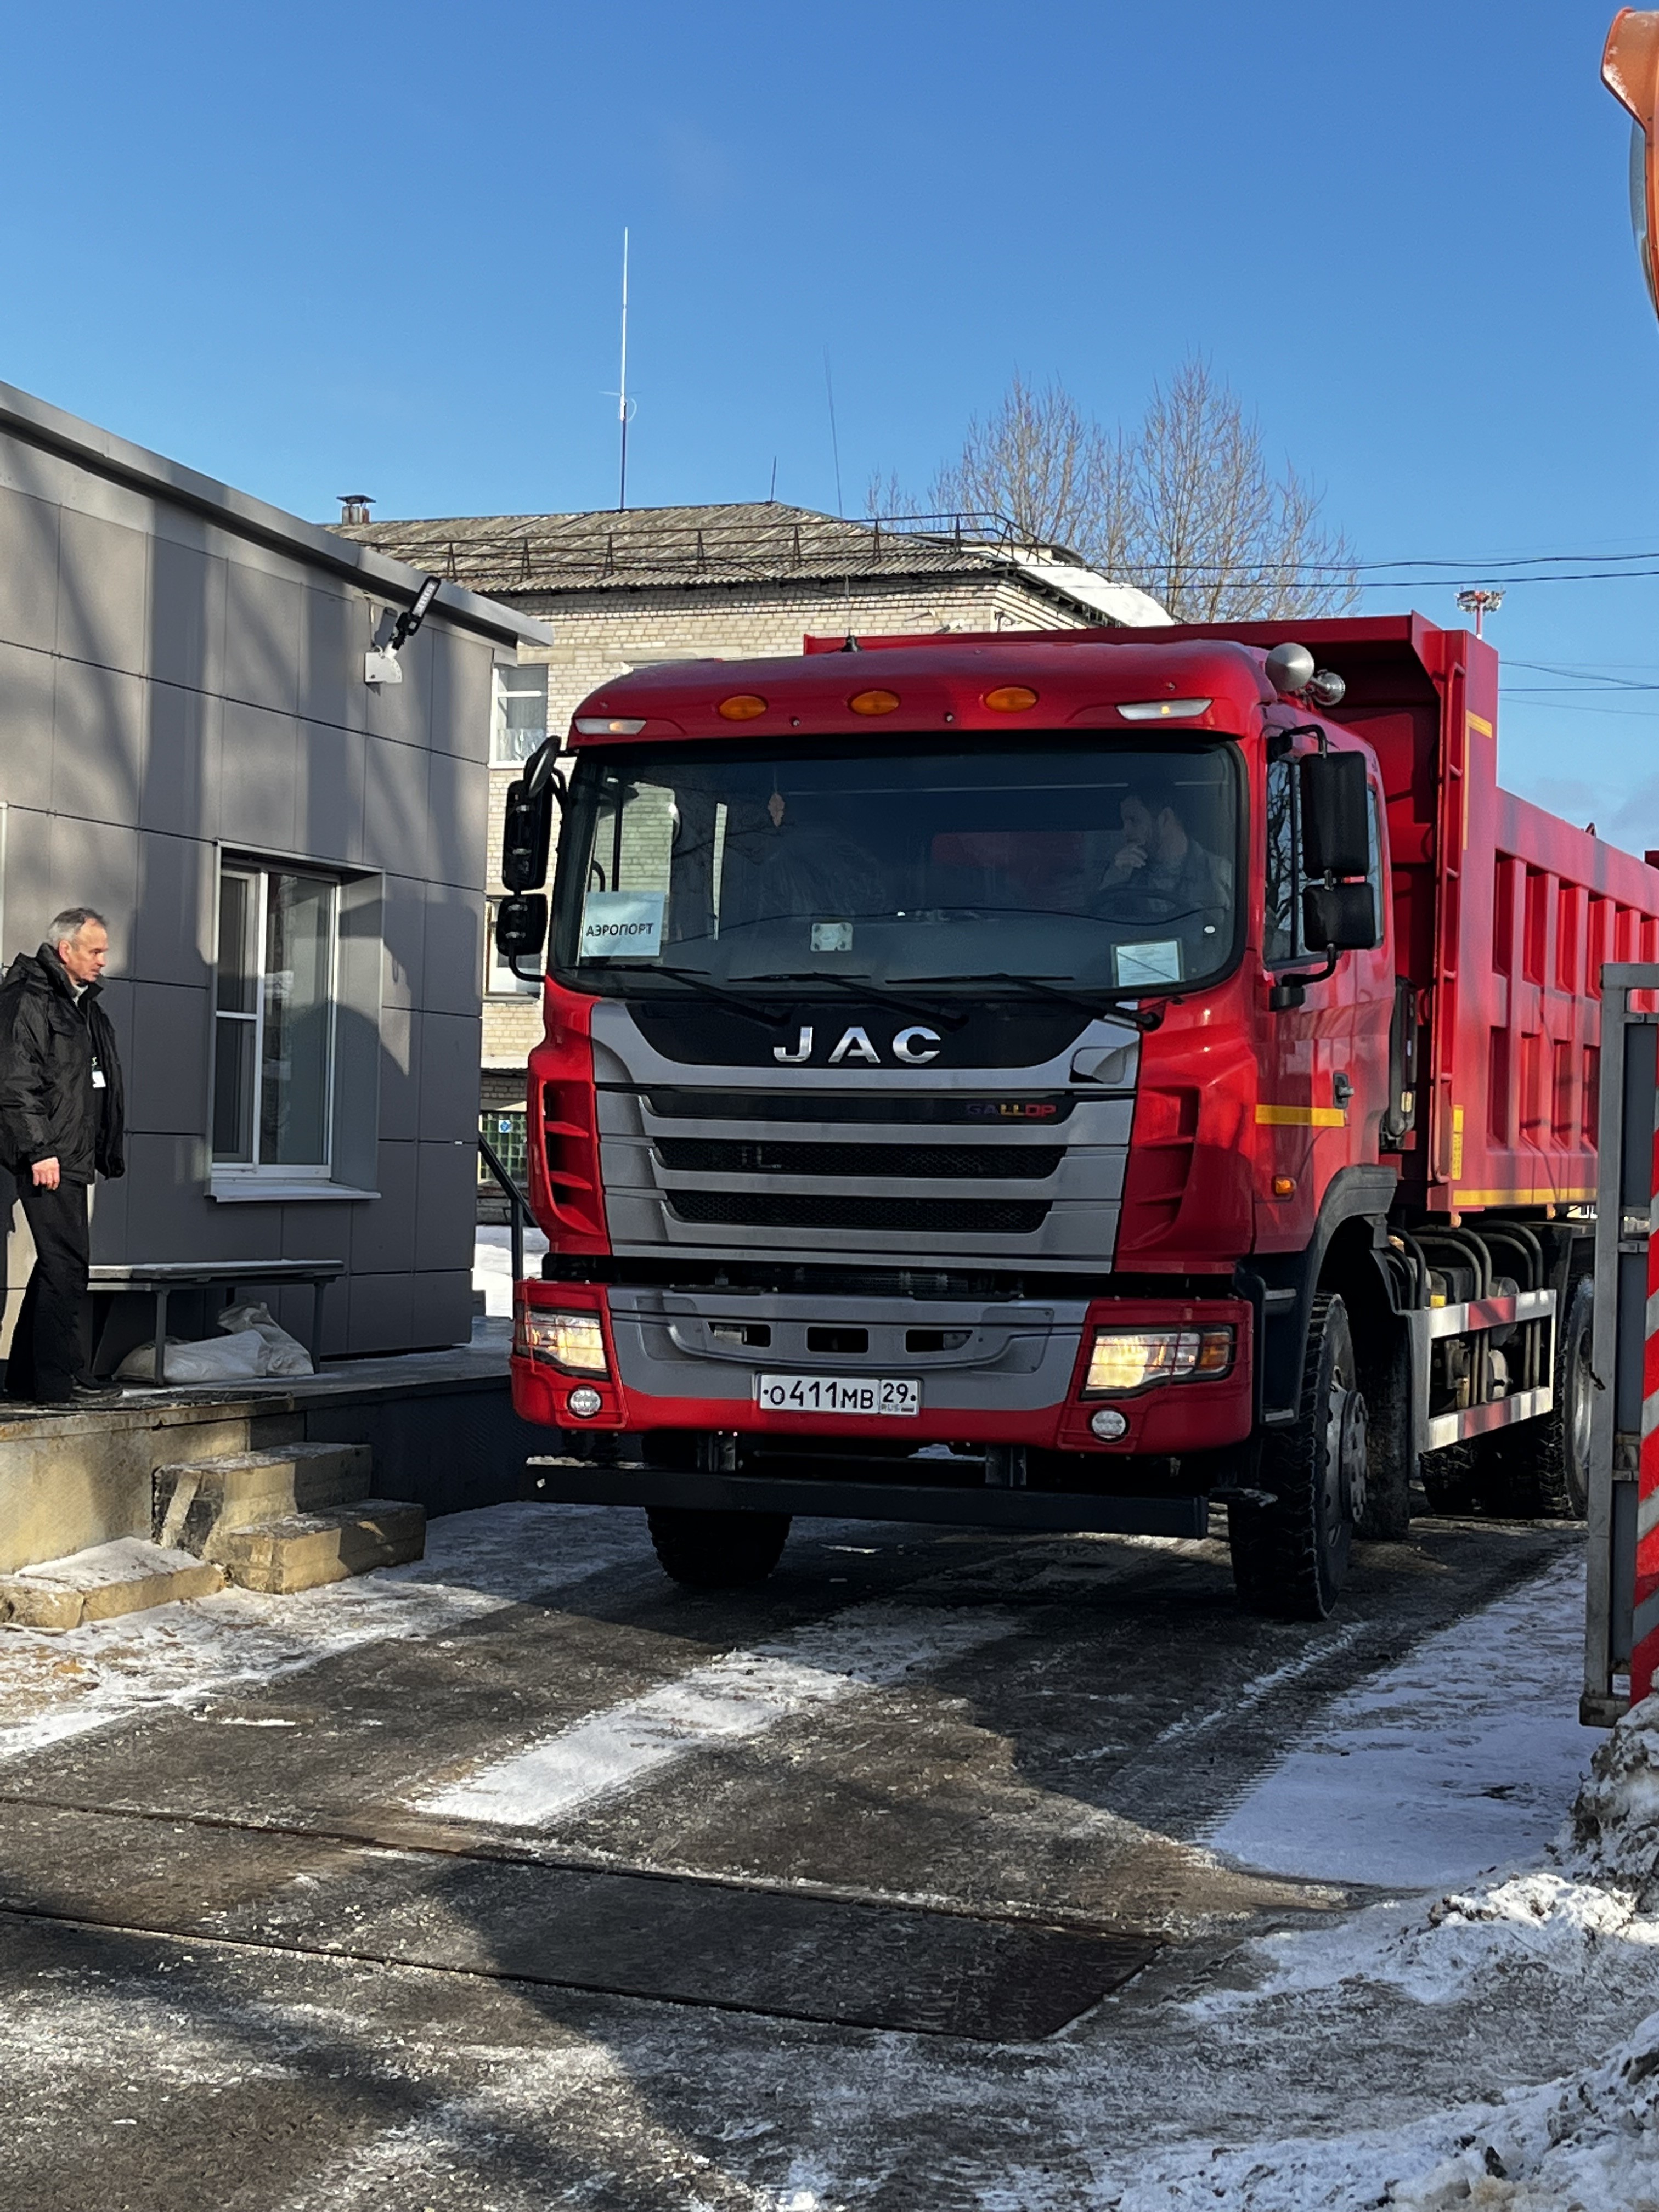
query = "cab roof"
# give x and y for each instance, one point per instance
(937, 684)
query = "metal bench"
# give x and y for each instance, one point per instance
(158, 1279)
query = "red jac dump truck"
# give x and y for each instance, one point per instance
(1063, 1081)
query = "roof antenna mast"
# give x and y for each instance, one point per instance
(622, 394)
(834, 442)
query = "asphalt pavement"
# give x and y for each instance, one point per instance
(883, 1885)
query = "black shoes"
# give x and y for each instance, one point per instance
(83, 1397)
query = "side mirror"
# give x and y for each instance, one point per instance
(526, 835)
(521, 928)
(1335, 815)
(1341, 917)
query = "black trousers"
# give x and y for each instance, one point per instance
(52, 1344)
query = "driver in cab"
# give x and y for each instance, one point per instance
(1159, 873)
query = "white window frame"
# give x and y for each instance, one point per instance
(503, 688)
(231, 1178)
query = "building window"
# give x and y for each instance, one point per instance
(520, 722)
(274, 1020)
(507, 1134)
(500, 981)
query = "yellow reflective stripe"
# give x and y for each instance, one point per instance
(1479, 722)
(1301, 1117)
(1522, 1197)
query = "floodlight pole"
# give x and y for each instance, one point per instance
(1480, 603)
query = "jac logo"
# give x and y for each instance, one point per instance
(914, 1046)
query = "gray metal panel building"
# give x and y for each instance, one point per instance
(188, 743)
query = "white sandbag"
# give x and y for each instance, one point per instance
(288, 1355)
(217, 1360)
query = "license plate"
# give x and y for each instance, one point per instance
(838, 1394)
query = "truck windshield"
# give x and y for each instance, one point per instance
(1108, 866)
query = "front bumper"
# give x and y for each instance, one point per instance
(997, 1371)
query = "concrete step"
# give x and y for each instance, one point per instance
(300, 1550)
(126, 1576)
(196, 1503)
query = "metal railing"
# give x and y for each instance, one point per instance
(518, 1206)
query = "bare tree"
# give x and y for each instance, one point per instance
(1185, 507)
(1212, 533)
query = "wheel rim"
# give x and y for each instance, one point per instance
(1346, 1446)
(1580, 1381)
(1343, 1492)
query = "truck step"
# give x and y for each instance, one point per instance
(126, 1576)
(196, 1503)
(302, 1550)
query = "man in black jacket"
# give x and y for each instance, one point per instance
(61, 1122)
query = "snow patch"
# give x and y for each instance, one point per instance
(492, 1265)
(1457, 1760)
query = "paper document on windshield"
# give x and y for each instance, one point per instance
(1158, 961)
(622, 924)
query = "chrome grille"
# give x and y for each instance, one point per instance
(943, 1217)
(926, 1163)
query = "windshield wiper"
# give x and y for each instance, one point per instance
(752, 1008)
(862, 989)
(1137, 1017)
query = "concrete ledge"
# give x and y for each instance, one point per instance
(129, 1576)
(302, 1550)
(196, 1502)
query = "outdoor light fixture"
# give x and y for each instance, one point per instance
(380, 664)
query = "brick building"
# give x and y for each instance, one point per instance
(623, 590)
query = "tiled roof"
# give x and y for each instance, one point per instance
(758, 542)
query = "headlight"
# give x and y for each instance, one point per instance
(573, 1341)
(1126, 1359)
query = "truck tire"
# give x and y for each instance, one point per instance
(717, 1551)
(1291, 1558)
(1455, 1480)
(1391, 1465)
(1540, 1470)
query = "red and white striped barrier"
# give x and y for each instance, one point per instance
(1644, 1627)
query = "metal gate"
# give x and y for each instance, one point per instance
(1621, 1629)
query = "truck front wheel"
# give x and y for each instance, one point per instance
(1290, 1556)
(717, 1551)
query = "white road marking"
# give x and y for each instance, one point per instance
(734, 1698)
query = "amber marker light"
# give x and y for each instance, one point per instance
(1011, 699)
(742, 707)
(1284, 1186)
(874, 702)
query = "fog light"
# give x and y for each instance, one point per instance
(584, 1401)
(1109, 1424)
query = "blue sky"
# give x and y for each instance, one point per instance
(318, 248)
